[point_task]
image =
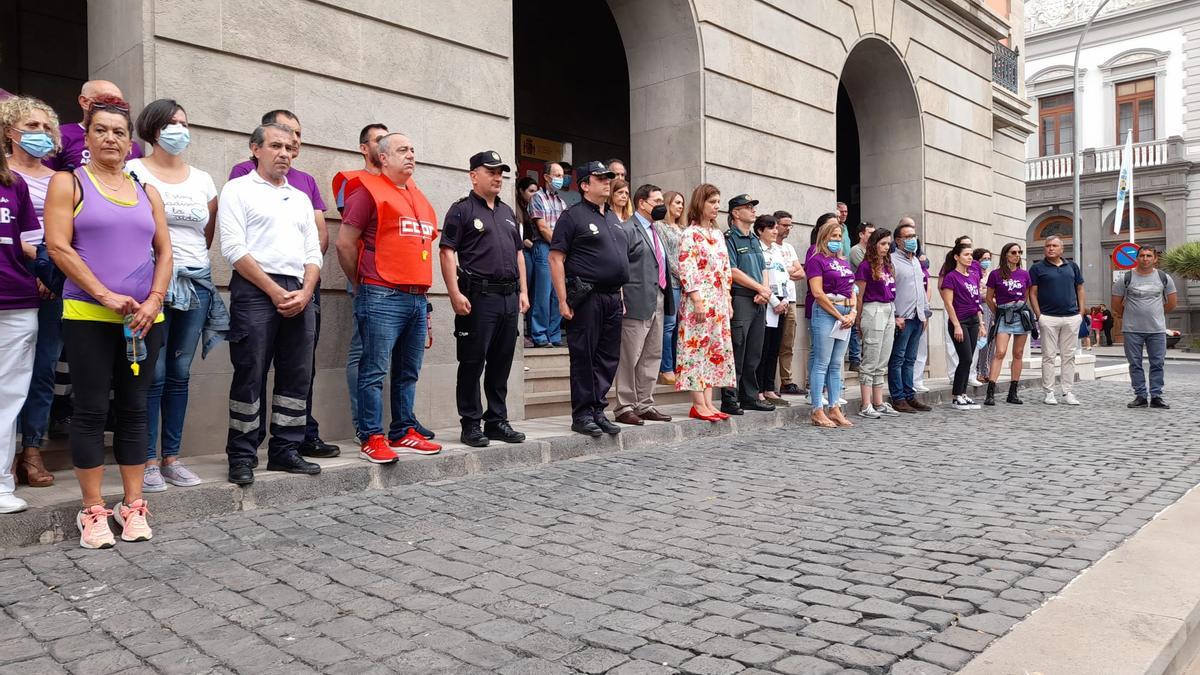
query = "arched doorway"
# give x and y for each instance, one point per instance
(880, 164)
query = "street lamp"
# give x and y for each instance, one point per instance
(1078, 133)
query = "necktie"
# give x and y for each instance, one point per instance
(658, 256)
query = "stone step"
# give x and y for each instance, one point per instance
(547, 357)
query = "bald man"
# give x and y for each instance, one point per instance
(73, 153)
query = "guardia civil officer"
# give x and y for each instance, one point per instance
(487, 290)
(589, 263)
(751, 294)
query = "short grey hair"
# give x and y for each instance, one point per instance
(385, 143)
(259, 135)
(1053, 237)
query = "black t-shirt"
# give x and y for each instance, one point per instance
(487, 240)
(594, 243)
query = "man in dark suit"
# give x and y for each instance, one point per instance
(647, 298)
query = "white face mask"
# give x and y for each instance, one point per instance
(174, 138)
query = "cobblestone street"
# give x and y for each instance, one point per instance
(900, 546)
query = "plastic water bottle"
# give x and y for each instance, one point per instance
(135, 347)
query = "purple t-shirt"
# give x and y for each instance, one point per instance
(1008, 290)
(74, 153)
(966, 292)
(877, 290)
(808, 296)
(836, 276)
(295, 177)
(18, 288)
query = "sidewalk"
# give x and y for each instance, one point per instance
(1118, 352)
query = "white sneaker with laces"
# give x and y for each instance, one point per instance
(885, 409)
(1050, 400)
(11, 503)
(1070, 399)
(971, 403)
(960, 403)
(920, 389)
(869, 412)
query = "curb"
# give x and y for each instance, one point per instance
(346, 475)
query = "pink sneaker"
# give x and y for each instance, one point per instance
(132, 519)
(93, 527)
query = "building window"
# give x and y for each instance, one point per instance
(1147, 220)
(1135, 110)
(1057, 124)
(1059, 226)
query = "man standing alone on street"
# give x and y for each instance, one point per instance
(1056, 294)
(750, 297)
(484, 271)
(589, 263)
(1141, 298)
(648, 298)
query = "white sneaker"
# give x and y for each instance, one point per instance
(920, 389)
(841, 401)
(886, 410)
(971, 404)
(1050, 400)
(974, 382)
(1070, 399)
(960, 403)
(11, 503)
(869, 413)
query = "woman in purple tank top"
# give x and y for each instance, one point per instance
(109, 236)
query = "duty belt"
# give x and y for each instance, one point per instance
(478, 284)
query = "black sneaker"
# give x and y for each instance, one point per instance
(315, 447)
(1158, 402)
(293, 463)
(473, 436)
(794, 389)
(241, 474)
(607, 426)
(503, 431)
(1137, 402)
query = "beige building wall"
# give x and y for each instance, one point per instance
(740, 94)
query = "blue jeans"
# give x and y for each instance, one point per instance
(527, 324)
(168, 393)
(828, 353)
(855, 345)
(352, 358)
(35, 414)
(1156, 348)
(392, 327)
(670, 336)
(904, 357)
(546, 322)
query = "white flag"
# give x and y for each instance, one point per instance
(1124, 181)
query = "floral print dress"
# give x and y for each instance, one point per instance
(705, 357)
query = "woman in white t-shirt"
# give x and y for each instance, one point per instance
(766, 227)
(190, 204)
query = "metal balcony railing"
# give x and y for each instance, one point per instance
(1004, 67)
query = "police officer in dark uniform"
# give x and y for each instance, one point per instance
(589, 263)
(750, 296)
(487, 291)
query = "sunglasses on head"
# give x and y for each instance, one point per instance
(110, 106)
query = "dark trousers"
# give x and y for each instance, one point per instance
(965, 350)
(312, 430)
(96, 353)
(772, 337)
(594, 343)
(748, 325)
(260, 336)
(1108, 335)
(486, 341)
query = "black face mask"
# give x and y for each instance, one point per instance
(659, 212)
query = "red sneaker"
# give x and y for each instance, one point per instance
(376, 450)
(415, 443)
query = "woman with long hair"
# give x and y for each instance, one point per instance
(705, 357)
(877, 322)
(526, 188)
(831, 283)
(673, 226)
(960, 295)
(30, 131)
(109, 235)
(619, 201)
(1008, 295)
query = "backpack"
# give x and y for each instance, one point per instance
(1162, 277)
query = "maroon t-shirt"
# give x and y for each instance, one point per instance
(360, 214)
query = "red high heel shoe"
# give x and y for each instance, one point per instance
(697, 415)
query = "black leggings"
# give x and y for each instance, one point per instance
(770, 356)
(96, 355)
(965, 350)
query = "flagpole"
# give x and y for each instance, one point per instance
(1077, 231)
(1132, 161)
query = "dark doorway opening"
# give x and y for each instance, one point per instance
(849, 176)
(563, 97)
(44, 52)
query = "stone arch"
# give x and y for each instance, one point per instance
(887, 112)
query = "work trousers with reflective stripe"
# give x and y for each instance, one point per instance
(259, 337)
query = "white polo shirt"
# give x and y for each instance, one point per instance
(272, 223)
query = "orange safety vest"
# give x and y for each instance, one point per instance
(407, 226)
(340, 180)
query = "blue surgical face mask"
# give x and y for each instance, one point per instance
(910, 245)
(835, 247)
(985, 263)
(36, 143)
(174, 138)
(557, 183)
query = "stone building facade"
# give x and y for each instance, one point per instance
(740, 94)
(1139, 69)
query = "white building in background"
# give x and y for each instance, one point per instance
(1139, 70)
